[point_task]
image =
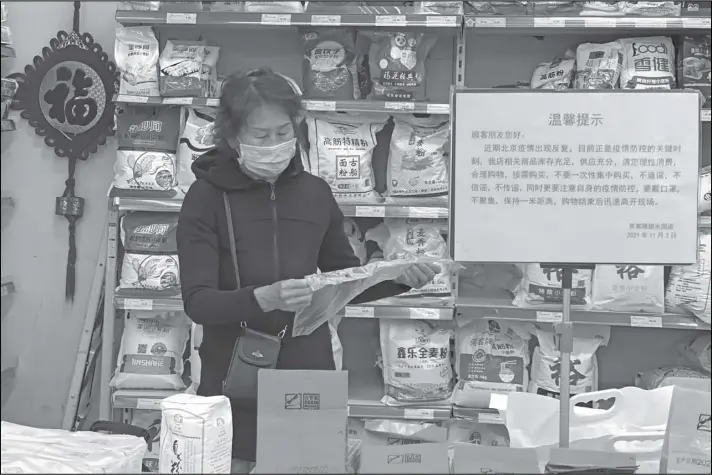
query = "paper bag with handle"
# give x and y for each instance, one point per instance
(687, 439)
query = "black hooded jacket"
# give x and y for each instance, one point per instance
(282, 231)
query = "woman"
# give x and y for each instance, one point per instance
(286, 224)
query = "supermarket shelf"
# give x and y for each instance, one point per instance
(399, 310)
(147, 204)
(503, 309)
(157, 18)
(706, 115)
(7, 51)
(7, 125)
(483, 416)
(588, 22)
(7, 286)
(148, 399)
(161, 304)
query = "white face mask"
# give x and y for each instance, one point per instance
(267, 162)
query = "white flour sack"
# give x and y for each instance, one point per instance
(151, 353)
(342, 151)
(704, 203)
(197, 138)
(648, 63)
(490, 357)
(541, 287)
(136, 53)
(196, 434)
(151, 421)
(143, 231)
(416, 360)
(419, 155)
(557, 75)
(145, 170)
(629, 288)
(583, 376)
(414, 238)
(154, 272)
(688, 289)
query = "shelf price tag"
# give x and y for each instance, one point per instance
(422, 414)
(424, 314)
(549, 317)
(147, 404)
(399, 106)
(420, 212)
(328, 106)
(489, 418)
(546, 22)
(212, 102)
(438, 21)
(646, 321)
(650, 23)
(706, 115)
(437, 108)
(696, 22)
(598, 22)
(390, 20)
(138, 304)
(181, 18)
(326, 20)
(276, 19)
(370, 212)
(359, 312)
(484, 22)
(182, 101)
(129, 99)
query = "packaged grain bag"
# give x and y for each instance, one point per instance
(150, 272)
(151, 352)
(198, 137)
(648, 63)
(541, 287)
(196, 434)
(546, 361)
(672, 376)
(491, 356)
(419, 155)
(658, 9)
(601, 8)
(416, 360)
(629, 288)
(397, 63)
(227, 6)
(329, 64)
(341, 152)
(274, 7)
(556, 75)
(151, 421)
(144, 231)
(386, 432)
(688, 289)
(598, 66)
(136, 55)
(704, 202)
(181, 67)
(698, 352)
(695, 66)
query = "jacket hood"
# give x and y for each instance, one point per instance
(220, 168)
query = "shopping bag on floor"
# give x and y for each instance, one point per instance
(687, 439)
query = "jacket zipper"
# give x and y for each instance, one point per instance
(275, 239)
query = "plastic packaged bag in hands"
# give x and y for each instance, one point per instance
(333, 290)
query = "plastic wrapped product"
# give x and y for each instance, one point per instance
(181, 66)
(499, 8)
(541, 287)
(386, 432)
(136, 55)
(418, 160)
(151, 421)
(546, 361)
(601, 8)
(151, 353)
(139, 5)
(198, 137)
(664, 9)
(648, 63)
(698, 352)
(329, 64)
(672, 376)
(143, 231)
(704, 202)
(356, 239)
(416, 360)
(136, 170)
(439, 7)
(557, 75)
(490, 357)
(688, 289)
(629, 288)
(227, 6)
(471, 432)
(694, 66)
(341, 152)
(598, 66)
(274, 7)
(397, 63)
(196, 434)
(151, 272)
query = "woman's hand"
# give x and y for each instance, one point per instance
(417, 275)
(288, 295)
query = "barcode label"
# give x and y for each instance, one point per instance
(400, 374)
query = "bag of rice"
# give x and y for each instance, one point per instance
(546, 361)
(136, 53)
(598, 66)
(329, 64)
(152, 272)
(397, 63)
(491, 356)
(541, 287)
(704, 202)
(471, 432)
(648, 63)
(196, 434)
(197, 138)
(151, 352)
(688, 289)
(557, 75)
(415, 238)
(148, 231)
(151, 421)
(419, 155)
(672, 376)
(181, 66)
(341, 152)
(698, 352)
(416, 360)
(629, 288)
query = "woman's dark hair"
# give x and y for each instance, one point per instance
(243, 93)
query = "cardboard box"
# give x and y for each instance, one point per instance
(417, 458)
(470, 458)
(301, 421)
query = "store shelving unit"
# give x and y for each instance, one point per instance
(366, 388)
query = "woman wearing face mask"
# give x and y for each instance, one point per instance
(286, 225)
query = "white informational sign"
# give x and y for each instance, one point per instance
(595, 177)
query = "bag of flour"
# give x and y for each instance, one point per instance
(197, 138)
(541, 288)
(196, 434)
(688, 289)
(629, 288)
(151, 272)
(136, 53)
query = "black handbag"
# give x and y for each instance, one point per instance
(253, 350)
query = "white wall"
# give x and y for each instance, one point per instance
(39, 327)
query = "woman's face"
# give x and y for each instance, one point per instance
(266, 126)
